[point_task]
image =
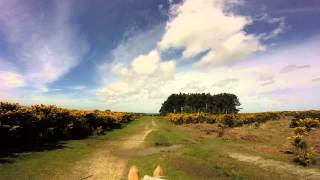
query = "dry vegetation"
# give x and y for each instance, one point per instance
(189, 146)
(294, 133)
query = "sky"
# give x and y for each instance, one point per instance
(130, 55)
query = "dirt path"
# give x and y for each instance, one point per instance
(302, 173)
(110, 159)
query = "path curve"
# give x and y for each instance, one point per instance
(107, 163)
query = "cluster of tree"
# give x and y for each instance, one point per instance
(40, 124)
(223, 103)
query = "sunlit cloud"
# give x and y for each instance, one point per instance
(45, 44)
(195, 27)
(254, 81)
(139, 82)
(77, 54)
(199, 26)
(10, 80)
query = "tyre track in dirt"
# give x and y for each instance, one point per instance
(277, 166)
(109, 160)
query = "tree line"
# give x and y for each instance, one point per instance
(223, 103)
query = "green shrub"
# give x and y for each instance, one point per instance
(229, 121)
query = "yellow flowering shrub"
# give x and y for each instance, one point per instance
(41, 123)
(234, 119)
(300, 131)
(301, 127)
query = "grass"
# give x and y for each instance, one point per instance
(204, 156)
(199, 155)
(45, 164)
(40, 165)
(166, 135)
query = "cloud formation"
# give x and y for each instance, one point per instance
(226, 82)
(299, 10)
(199, 48)
(198, 26)
(294, 67)
(266, 79)
(140, 81)
(259, 82)
(10, 80)
(46, 45)
(316, 80)
(279, 21)
(131, 45)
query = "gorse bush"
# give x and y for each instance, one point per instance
(306, 122)
(304, 159)
(301, 128)
(41, 123)
(304, 114)
(300, 131)
(308, 119)
(229, 120)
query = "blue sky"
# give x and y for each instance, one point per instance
(130, 55)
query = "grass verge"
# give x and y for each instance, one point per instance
(45, 164)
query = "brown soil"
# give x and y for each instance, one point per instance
(109, 160)
(303, 173)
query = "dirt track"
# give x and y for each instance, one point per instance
(109, 161)
(311, 174)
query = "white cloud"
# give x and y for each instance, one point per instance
(46, 45)
(279, 21)
(226, 82)
(204, 25)
(136, 43)
(63, 101)
(276, 32)
(138, 83)
(258, 82)
(146, 64)
(79, 87)
(10, 80)
(208, 26)
(316, 80)
(293, 67)
(167, 69)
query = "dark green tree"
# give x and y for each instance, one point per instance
(223, 103)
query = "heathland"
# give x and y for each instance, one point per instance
(282, 145)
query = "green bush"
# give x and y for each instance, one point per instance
(228, 121)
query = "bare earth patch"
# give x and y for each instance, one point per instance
(109, 161)
(303, 173)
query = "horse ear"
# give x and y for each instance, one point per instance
(133, 173)
(158, 172)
